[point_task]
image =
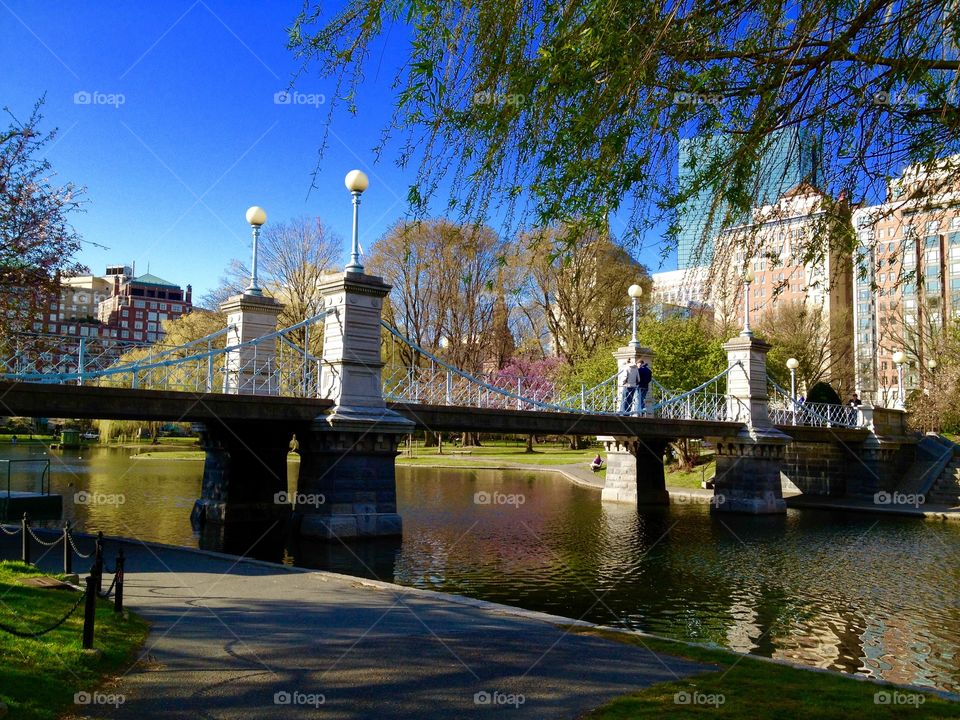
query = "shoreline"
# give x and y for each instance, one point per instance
(157, 550)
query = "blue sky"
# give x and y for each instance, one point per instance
(175, 131)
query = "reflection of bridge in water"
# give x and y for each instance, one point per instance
(252, 387)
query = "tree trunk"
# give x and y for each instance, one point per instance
(529, 444)
(430, 439)
(685, 457)
(471, 439)
(577, 442)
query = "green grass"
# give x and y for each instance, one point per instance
(26, 438)
(170, 455)
(691, 478)
(38, 677)
(495, 455)
(751, 688)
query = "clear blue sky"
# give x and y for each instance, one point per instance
(198, 137)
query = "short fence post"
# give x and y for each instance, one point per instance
(67, 550)
(98, 562)
(118, 590)
(25, 539)
(89, 611)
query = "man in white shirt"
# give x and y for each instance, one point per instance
(629, 378)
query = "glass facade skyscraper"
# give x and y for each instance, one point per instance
(791, 158)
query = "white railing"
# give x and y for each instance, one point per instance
(269, 365)
(787, 410)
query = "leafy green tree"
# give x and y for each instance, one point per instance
(573, 110)
(688, 351)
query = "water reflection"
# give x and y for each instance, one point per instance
(859, 594)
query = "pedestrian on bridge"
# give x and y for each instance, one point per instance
(644, 376)
(629, 379)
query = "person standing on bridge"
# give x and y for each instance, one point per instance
(629, 379)
(644, 376)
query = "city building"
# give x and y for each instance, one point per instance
(907, 281)
(774, 246)
(81, 296)
(115, 305)
(138, 305)
(791, 158)
(681, 293)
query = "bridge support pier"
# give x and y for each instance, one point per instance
(347, 487)
(748, 467)
(244, 475)
(634, 471)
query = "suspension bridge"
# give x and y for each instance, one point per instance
(276, 366)
(252, 387)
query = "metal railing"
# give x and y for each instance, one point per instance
(271, 364)
(43, 482)
(787, 410)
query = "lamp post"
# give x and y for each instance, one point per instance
(256, 217)
(899, 357)
(635, 292)
(747, 279)
(356, 182)
(793, 364)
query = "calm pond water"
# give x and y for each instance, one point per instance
(856, 593)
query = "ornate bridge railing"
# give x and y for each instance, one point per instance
(31, 353)
(787, 410)
(272, 365)
(439, 383)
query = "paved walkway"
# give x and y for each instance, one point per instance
(235, 639)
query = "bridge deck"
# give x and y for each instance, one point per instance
(467, 419)
(73, 401)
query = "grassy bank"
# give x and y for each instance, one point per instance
(495, 456)
(39, 677)
(744, 687)
(26, 438)
(170, 455)
(504, 454)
